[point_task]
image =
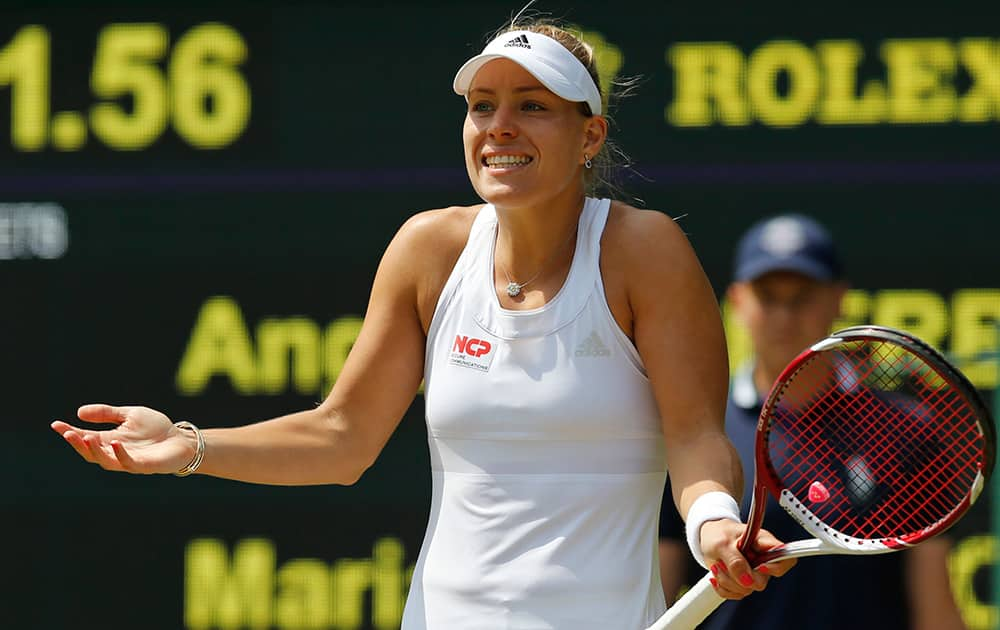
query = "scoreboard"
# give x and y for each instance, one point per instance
(194, 198)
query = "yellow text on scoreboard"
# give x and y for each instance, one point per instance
(298, 354)
(964, 325)
(246, 587)
(787, 83)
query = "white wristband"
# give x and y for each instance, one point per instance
(711, 506)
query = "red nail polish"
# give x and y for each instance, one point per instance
(746, 580)
(714, 569)
(723, 565)
(714, 583)
(763, 569)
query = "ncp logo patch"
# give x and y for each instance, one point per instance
(472, 353)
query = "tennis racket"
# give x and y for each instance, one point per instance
(872, 441)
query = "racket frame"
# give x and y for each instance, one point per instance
(701, 599)
(828, 540)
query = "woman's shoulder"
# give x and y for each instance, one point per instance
(441, 230)
(642, 235)
(644, 257)
(430, 243)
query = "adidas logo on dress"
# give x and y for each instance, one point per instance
(520, 41)
(592, 346)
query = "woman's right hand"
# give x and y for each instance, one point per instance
(143, 441)
(733, 577)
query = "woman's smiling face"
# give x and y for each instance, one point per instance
(523, 144)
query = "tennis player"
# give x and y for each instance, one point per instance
(570, 347)
(788, 288)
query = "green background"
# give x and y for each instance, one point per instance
(354, 128)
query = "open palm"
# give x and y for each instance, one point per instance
(143, 440)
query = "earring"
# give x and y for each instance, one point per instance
(587, 163)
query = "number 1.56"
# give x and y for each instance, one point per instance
(201, 93)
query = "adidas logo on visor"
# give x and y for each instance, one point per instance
(520, 40)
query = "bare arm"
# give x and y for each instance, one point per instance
(677, 328)
(928, 587)
(339, 439)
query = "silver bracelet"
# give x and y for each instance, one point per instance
(199, 453)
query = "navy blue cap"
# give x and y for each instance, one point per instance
(789, 242)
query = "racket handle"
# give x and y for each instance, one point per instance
(691, 609)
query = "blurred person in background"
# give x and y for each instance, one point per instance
(787, 290)
(569, 346)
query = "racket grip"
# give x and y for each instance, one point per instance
(691, 609)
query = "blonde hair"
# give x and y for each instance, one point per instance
(602, 178)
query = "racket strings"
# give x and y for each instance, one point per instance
(912, 503)
(933, 471)
(889, 439)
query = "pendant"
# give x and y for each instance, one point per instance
(513, 289)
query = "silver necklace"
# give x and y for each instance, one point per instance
(514, 288)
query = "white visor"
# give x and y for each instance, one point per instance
(547, 60)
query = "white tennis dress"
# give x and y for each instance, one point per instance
(546, 454)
